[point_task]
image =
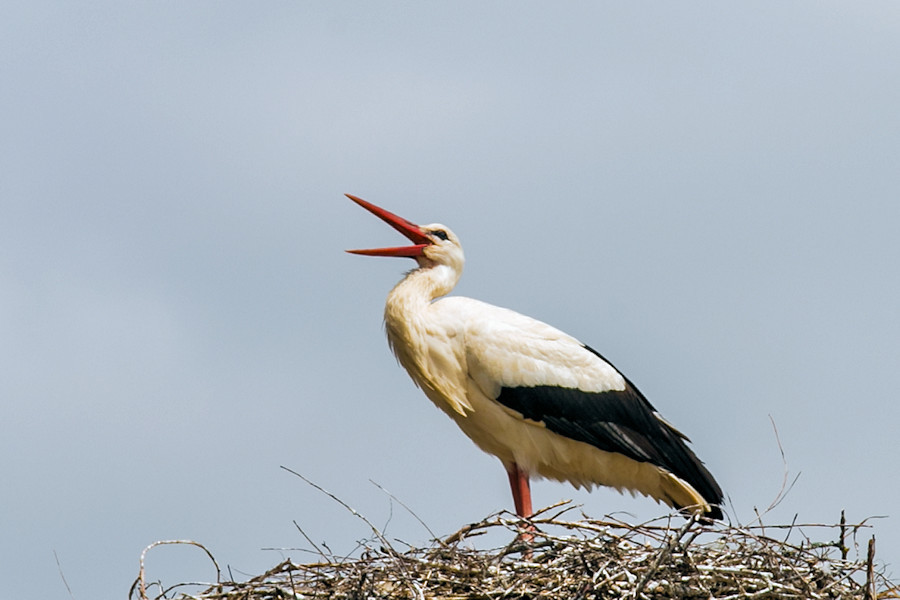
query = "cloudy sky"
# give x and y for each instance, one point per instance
(708, 193)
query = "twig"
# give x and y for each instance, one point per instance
(312, 543)
(61, 575)
(408, 509)
(785, 489)
(870, 593)
(349, 508)
(843, 546)
(662, 555)
(140, 582)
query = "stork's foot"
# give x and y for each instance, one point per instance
(526, 536)
(524, 541)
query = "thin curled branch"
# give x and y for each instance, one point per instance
(140, 584)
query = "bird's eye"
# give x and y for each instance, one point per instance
(440, 233)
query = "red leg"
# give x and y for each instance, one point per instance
(521, 490)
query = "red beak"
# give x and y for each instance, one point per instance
(412, 231)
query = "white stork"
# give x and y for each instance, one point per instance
(542, 402)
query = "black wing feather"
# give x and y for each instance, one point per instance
(615, 421)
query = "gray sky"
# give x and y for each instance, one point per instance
(707, 193)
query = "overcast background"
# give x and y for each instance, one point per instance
(707, 193)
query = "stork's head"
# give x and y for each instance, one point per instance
(433, 245)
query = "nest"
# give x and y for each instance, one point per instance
(553, 556)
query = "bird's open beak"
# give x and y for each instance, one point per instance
(412, 231)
